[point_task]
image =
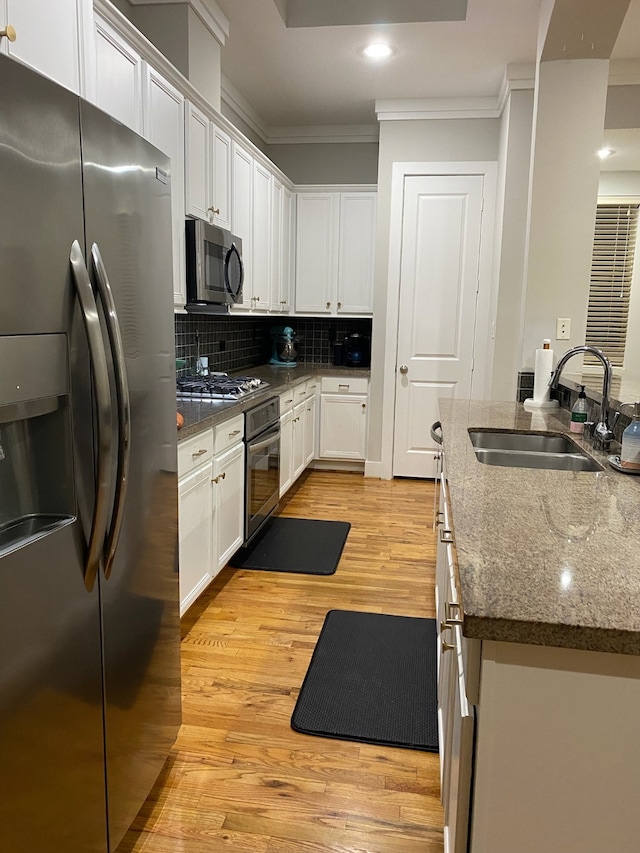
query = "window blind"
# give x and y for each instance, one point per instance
(611, 272)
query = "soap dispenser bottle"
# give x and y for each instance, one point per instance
(579, 413)
(630, 452)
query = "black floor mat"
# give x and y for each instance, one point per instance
(300, 545)
(372, 678)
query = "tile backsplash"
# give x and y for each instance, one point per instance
(234, 343)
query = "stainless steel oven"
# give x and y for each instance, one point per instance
(262, 485)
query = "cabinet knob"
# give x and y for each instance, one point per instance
(339, 304)
(223, 475)
(364, 406)
(9, 33)
(214, 479)
(328, 305)
(404, 369)
(214, 210)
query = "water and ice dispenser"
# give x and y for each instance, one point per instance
(36, 464)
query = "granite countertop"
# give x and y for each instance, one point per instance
(199, 415)
(544, 557)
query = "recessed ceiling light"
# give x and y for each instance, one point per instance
(603, 153)
(378, 50)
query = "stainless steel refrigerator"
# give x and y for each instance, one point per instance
(89, 617)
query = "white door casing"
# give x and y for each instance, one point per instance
(438, 296)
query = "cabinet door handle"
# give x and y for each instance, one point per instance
(214, 479)
(288, 401)
(448, 618)
(214, 210)
(223, 475)
(199, 453)
(9, 33)
(235, 432)
(446, 647)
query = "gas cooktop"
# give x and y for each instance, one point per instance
(218, 386)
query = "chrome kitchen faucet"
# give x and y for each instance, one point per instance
(602, 432)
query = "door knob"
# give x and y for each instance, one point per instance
(404, 369)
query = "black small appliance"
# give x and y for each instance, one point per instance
(357, 350)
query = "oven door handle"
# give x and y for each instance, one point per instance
(264, 442)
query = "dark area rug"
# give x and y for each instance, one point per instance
(372, 678)
(299, 545)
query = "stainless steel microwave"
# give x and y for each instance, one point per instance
(214, 267)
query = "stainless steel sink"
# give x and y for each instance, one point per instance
(515, 449)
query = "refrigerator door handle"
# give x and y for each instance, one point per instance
(104, 426)
(123, 406)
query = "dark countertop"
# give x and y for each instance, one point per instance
(544, 557)
(199, 415)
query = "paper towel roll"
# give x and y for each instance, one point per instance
(541, 374)
(543, 367)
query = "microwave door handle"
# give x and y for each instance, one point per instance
(104, 422)
(227, 260)
(123, 406)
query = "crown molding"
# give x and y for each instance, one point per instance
(295, 135)
(339, 133)
(517, 77)
(242, 108)
(208, 11)
(418, 109)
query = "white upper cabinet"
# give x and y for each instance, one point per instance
(356, 249)
(48, 37)
(316, 252)
(335, 239)
(207, 169)
(197, 162)
(220, 207)
(261, 246)
(242, 213)
(277, 209)
(163, 119)
(118, 76)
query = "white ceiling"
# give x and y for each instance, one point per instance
(316, 76)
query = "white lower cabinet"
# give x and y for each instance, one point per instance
(286, 451)
(310, 421)
(228, 482)
(343, 418)
(299, 460)
(210, 505)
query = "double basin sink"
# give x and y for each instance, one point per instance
(516, 449)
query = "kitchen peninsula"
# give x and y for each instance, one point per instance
(546, 593)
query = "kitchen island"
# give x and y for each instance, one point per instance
(540, 682)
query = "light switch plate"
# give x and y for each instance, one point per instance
(563, 329)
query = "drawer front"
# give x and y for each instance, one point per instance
(286, 401)
(228, 433)
(300, 393)
(193, 452)
(344, 385)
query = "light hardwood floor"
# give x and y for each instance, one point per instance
(239, 778)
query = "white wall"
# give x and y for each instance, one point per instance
(511, 234)
(569, 123)
(437, 140)
(327, 163)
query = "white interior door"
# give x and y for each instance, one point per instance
(439, 279)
